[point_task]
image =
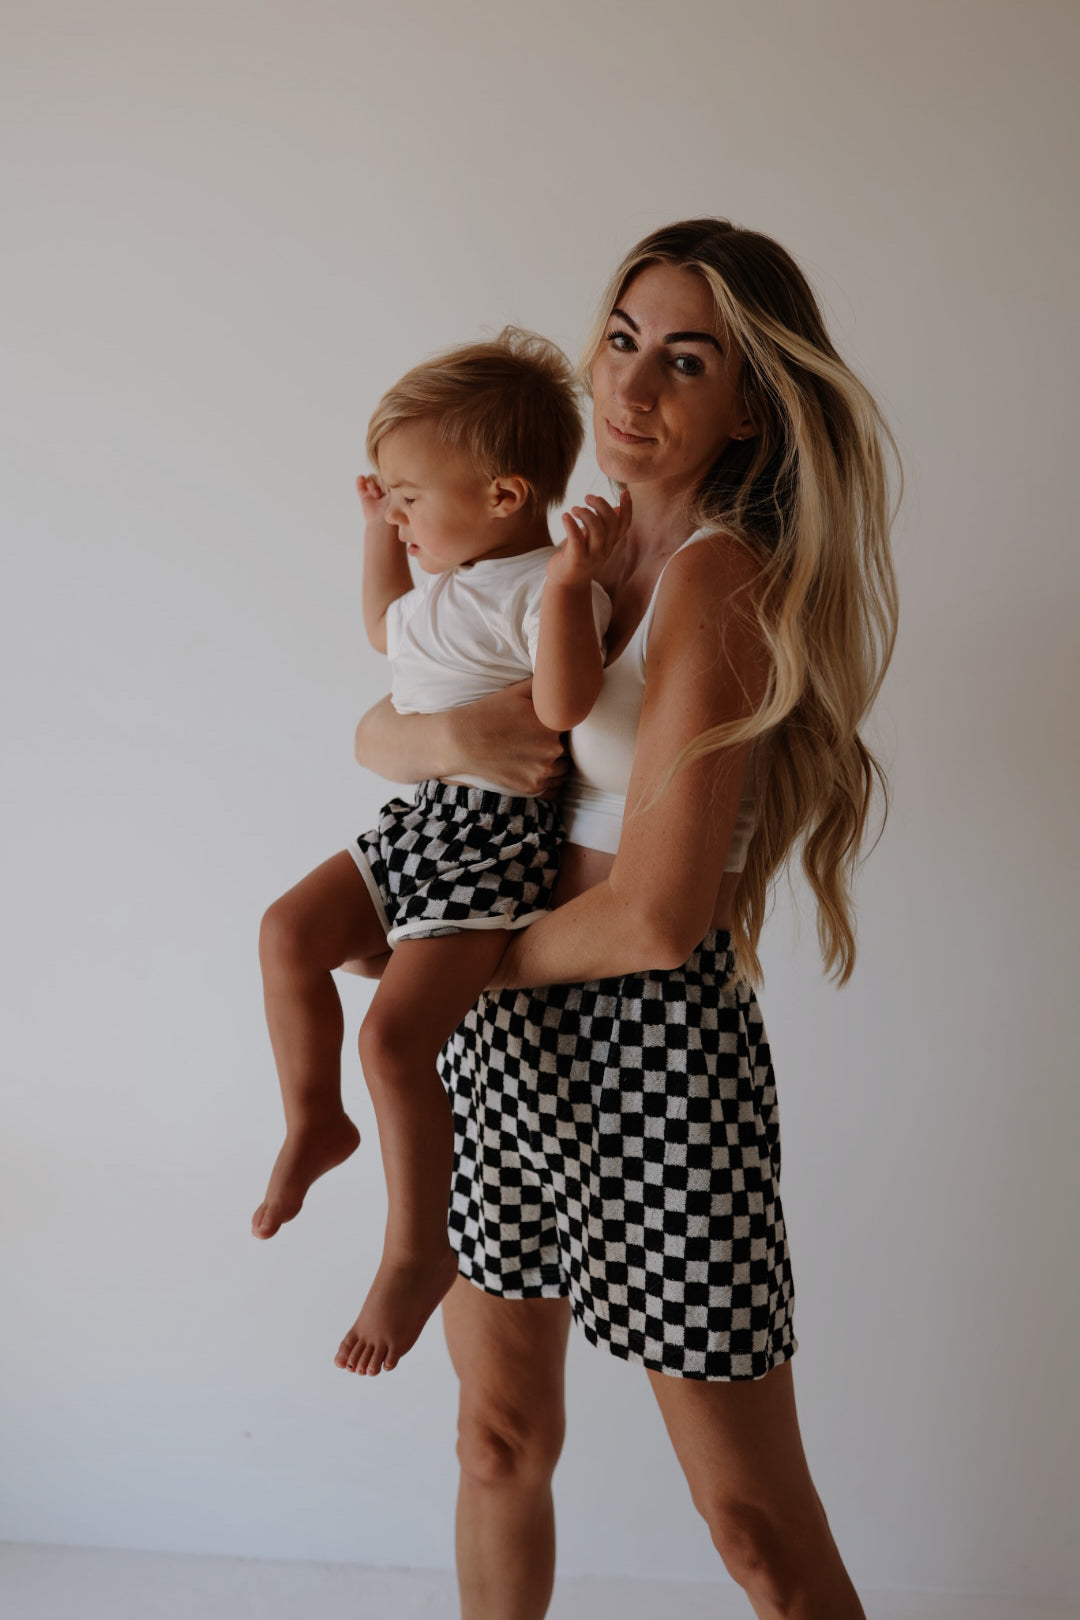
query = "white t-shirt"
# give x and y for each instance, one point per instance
(470, 631)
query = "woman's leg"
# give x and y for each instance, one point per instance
(426, 990)
(326, 919)
(509, 1356)
(740, 1449)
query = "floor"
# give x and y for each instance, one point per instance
(54, 1583)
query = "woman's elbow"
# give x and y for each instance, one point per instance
(665, 926)
(661, 940)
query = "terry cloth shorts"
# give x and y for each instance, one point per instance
(459, 857)
(618, 1142)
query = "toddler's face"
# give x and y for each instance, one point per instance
(440, 503)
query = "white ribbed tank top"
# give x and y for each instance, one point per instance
(602, 752)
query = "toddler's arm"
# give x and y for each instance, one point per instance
(386, 566)
(569, 658)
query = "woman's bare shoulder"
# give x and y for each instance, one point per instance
(719, 562)
(710, 585)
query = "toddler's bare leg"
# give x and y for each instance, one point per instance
(426, 990)
(327, 919)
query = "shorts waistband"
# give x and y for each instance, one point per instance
(485, 801)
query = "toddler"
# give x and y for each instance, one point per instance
(471, 450)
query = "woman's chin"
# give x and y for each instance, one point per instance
(622, 464)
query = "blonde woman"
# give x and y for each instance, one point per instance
(617, 1153)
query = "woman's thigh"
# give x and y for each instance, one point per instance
(509, 1356)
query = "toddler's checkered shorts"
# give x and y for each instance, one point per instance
(459, 857)
(618, 1142)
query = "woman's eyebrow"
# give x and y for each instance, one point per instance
(694, 337)
(672, 337)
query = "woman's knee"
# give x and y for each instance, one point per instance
(500, 1446)
(509, 1357)
(761, 1550)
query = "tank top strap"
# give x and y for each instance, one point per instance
(647, 619)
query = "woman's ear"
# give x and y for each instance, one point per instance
(746, 428)
(508, 496)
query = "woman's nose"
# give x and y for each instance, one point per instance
(635, 384)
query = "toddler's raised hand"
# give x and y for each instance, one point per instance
(592, 533)
(373, 498)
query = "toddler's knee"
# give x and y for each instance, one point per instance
(391, 1050)
(506, 1449)
(280, 935)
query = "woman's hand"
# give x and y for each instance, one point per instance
(498, 738)
(593, 531)
(501, 739)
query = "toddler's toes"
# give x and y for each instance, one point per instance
(366, 1353)
(264, 1223)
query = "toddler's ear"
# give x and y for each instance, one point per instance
(509, 495)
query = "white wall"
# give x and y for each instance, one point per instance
(228, 227)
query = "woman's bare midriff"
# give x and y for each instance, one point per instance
(580, 869)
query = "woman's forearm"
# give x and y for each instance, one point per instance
(600, 934)
(407, 747)
(498, 739)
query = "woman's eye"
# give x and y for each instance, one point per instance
(622, 341)
(689, 365)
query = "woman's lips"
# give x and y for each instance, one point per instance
(626, 438)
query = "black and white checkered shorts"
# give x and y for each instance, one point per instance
(618, 1142)
(459, 857)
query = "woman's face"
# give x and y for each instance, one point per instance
(667, 397)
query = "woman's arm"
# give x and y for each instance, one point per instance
(706, 666)
(498, 738)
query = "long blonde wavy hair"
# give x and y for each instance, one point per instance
(810, 495)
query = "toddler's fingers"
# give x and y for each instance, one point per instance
(589, 520)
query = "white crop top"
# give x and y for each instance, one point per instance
(602, 750)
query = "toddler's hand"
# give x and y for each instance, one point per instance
(592, 533)
(373, 499)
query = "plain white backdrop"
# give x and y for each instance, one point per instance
(228, 227)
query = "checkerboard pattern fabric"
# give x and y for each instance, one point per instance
(618, 1142)
(459, 857)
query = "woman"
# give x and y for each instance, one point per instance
(618, 1152)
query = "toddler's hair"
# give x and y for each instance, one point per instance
(511, 405)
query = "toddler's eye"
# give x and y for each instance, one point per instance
(407, 500)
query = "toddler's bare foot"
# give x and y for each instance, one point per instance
(307, 1153)
(399, 1302)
